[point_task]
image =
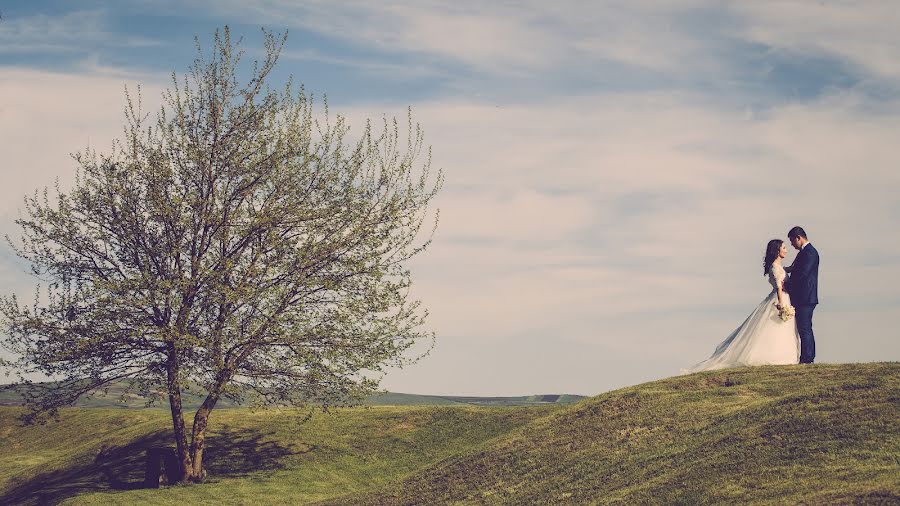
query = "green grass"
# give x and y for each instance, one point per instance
(259, 457)
(770, 435)
(818, 434)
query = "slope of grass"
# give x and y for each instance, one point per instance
(93, 456)
(818, 434)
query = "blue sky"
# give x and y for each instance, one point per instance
(614, 169)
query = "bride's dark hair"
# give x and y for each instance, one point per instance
(772, 250)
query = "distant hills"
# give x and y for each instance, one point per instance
(117, 396)
(398, 399)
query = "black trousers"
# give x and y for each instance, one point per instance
(804, 316)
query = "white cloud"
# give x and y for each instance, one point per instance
(46, 116)
(518, 214)
(382, 69)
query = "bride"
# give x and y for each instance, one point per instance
(769, 335)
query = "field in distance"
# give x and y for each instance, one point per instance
(118, 396)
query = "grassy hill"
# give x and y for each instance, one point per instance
(819, 434)
(93, 456)
(813, 434)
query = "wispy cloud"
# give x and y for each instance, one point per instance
(742, 49)
(70, 32)
(864, 33)
(383, 69)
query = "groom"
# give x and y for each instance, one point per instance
(803, 286)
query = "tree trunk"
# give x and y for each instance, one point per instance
(181, 446)
(198, 435)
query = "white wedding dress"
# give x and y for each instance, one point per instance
(763, 338)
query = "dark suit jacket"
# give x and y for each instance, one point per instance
(803, 285)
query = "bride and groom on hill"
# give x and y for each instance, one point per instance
(779, 330)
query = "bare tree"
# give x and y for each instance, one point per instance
(234, 243)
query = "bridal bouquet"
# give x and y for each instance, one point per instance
(786, 313)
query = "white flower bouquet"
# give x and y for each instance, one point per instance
(786, 313)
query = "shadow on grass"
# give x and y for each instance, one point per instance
(228, 454)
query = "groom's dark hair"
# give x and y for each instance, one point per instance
(796, 232)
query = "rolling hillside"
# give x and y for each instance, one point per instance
(94, 456)
(771, 435)
(820, 434)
